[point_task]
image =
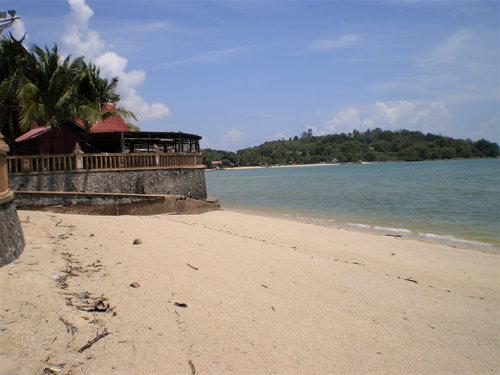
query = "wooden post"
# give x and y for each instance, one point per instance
(78, 154)
(157, 155)
(5, 194)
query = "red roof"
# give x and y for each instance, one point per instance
(33, 133)
(111, 124)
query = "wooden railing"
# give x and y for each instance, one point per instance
(77, 162)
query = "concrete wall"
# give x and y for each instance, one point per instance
(110, 203)
(11, 233)
(189, 182)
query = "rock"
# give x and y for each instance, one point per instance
(137, 241)
(212, 200)
(135, 284)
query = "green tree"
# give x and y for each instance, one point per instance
(96, 92)
(14, 60)
(52, 96)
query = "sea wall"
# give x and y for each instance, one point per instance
(111, 203)
(189, 182)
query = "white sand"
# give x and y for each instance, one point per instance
(270, 296)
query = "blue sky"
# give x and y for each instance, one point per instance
(240, 73)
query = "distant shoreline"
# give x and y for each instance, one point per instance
(339, 164)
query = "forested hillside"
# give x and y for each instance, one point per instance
(371, 145)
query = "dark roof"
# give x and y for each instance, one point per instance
(145, 136)
(33, 133)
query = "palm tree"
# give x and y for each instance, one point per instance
(98, 91)
(52, 95)
(14, 59)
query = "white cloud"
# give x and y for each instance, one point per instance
(208, 57)
(233, 136)
(316, 131)
(229, 141)
(151, 26)
(391, 115)
(434, 119)
(489, 130)
(277, 137)
(331, 44)
(428, 117)
(155, 111)
(462, 68)
(79, 40)
(344, 121)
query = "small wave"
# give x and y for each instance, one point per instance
(389, 229)
(449, 238)
(356, 225)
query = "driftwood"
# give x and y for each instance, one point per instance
(193, 370)
(193, 267)
(93, 341)
(69, 327)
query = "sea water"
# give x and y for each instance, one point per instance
(455, 201)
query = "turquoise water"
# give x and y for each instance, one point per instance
(451, 201)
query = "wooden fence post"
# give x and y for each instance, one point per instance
(78, 153)
(4, 179)
(157, 155)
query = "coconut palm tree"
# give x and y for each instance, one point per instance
(14, 59)
(52, 95)
(98, 91)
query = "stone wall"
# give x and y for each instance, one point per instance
(111, 203)
(11, 233)
(189, 182)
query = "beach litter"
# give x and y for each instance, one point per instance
(94, 340)
(412, 281)
(193, 267)
(191, 365)
(137, 241)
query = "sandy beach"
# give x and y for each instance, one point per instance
(233, 293)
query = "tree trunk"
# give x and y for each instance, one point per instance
(12, 133)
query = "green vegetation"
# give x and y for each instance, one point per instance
(38, 85)
(369, 146)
